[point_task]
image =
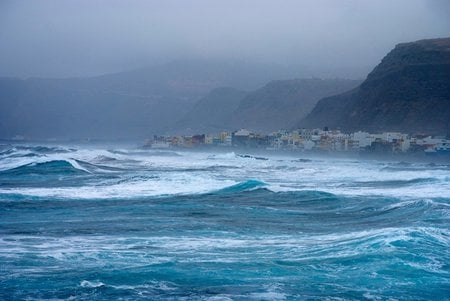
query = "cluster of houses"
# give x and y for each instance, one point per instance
(310, 140)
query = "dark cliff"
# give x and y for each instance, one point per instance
(408, 91)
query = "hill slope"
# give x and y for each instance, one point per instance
(275, 106)
(408, 91)
(134, 104)
(213, 112)
(280, 104)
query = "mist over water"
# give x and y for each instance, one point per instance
(81, 223)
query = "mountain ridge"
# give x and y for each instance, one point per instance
(130, 105)
(408, 91)
(274, 106)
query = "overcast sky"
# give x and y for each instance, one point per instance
(62, 38)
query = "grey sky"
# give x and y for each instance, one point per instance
(62, 38)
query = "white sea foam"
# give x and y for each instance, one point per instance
(302, 247)
(225, 156)
(219, 298)
(196, 172)
(91, 284)
(268, 296)
(417, 202)
(76, 165)
(152, 187)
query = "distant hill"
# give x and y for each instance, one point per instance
(133, 104)
(213, 112)
(275, 106)
(408, 91)
(280, 104)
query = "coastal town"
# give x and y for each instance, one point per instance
(313, 140)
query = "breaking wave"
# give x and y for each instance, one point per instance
(248, 185)
(63, 167)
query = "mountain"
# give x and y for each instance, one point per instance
(275, 106)
(71, 109)
(280, 104)
(132, 104)
(408, 91)
(213, 112)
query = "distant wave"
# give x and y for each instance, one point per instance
(402, 166)
(248, 185)
(104, 159)
(155, 153)
(422, 204)
(302, 160)
(45, 149)
(393, 183)
(245, 156)
(91, 167)
(163, 154)
(46, 168)
(230, 155)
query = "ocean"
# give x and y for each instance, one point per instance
(105, 223)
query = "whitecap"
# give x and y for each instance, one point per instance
(91, 284)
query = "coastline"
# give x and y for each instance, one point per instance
(314, 154)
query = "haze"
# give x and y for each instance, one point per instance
(324, 38)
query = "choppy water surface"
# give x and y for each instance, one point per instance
(104, 224)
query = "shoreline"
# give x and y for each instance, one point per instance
(418, 157)
(299, 154)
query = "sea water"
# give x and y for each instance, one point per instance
(87, 223)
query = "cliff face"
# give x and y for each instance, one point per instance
(408, 91)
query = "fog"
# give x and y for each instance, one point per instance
(325, 38)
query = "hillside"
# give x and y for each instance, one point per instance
(408, 91)
(133, 104)
(277, 105)
(213, 112)
(280, 104)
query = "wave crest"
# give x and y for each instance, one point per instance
(46, 168)
(248, 185)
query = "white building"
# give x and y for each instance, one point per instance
(209, 139)
(243, 133)
(362, 139)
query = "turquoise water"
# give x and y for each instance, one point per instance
(124, 224)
